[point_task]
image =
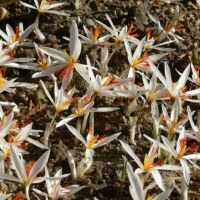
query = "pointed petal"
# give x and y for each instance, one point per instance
(76, 133)
(138, 50)
(66, 120)
(38, 166)
(18, 165)
(9, 177)
(105, 109)
(106, 140)
(168, 76)
(47, 93)
(56, 12)
(27, 5)
(164, 195)
(169, 146)
(183, 79)
(158, 179)
(27, 32)
(74, 43)
(132, 154)
(186, 170)
(57, 54)
(136, 185)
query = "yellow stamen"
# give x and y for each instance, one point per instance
(148, 162)
(140, 60)
(93, 139)
(43, 64)
(172, 127)
(62, 105)
(2, 82)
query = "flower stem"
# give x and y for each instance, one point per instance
(49, 129)
(27, 192)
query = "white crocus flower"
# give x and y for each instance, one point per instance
(179, 152)
(45, 7)
(92, 36)
(150, 166)
(136, 187)
(85, 106)
(177, 90)
(169, 29)
(174, 123)
(19, 35)
(153, 90)
(26, 175)
(119, 36)
(91, 142)
(8, 86)
(7, 56)
(64, 61)
(139, 61)
(17, 136)
(44, 62)
(54, 189)
(103, 86)
(151, 43)
(62, 99)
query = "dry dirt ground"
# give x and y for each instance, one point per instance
(102, 179)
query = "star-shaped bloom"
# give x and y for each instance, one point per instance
(54, 188)
(64, 62)
(140, 60)
(19, 35)
(62, 99)
(150, 166)
(26, 174)
(103, 86)
(45, 7)
(170, 28)
(153, 91)
(91, 142)
(119, 36)
(137, 190)
(174, 123)
(177, 90)
(179, 152)
(93, 35)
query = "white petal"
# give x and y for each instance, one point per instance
(136, 185)
(38, 166)
(66, 120)
(132, 154)
(158, 179)
(106, 140)
(75, 43)
(9, 177)
(76, 133)
(186, 170)
(164, 195)
(18, 165)
(169, 146)
(183, 79)
(47, 93)
(27, 5)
